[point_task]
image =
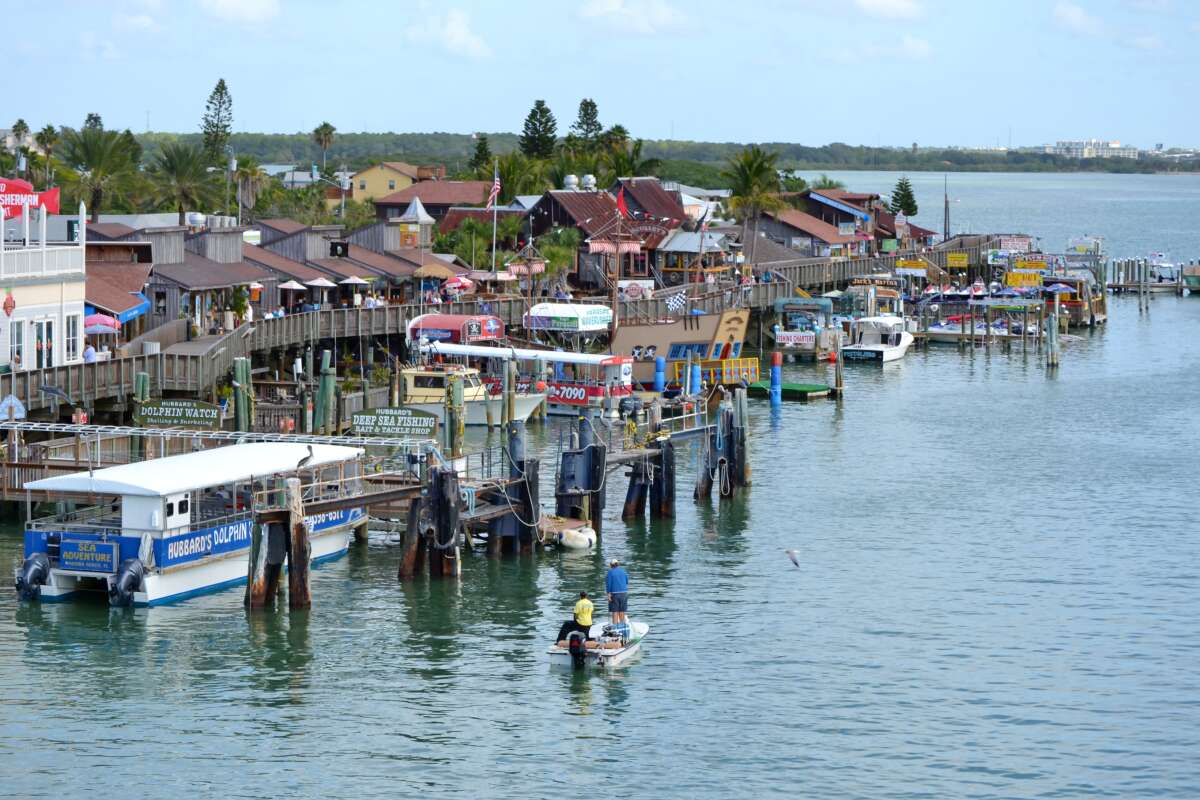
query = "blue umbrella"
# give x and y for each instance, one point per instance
(1008, 293)
(1058, 288)
(99, 330)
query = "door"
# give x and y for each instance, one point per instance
(43, 343)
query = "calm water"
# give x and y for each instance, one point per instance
(997, 598)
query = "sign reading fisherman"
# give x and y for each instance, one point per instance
(409, 423)
(192, 414)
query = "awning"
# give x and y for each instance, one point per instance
(143, 305)
(849, 209)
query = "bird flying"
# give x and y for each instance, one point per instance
(792, 555)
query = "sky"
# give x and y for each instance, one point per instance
(873, 72)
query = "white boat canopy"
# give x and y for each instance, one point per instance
(183, 473)
(569, 317)
(522, 354)
(880, 324)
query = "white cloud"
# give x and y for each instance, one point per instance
(453, 32)
(143, 23)
(890, 9)
(906, 48)
(1075, 18)
(242, 10)
(1147, 42)
(626, 16)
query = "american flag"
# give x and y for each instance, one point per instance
(677, 302)
(495, 193)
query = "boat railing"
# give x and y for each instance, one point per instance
(60, 523)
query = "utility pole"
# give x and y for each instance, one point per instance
(945, 207)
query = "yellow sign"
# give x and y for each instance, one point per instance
(911, 263)
(1018, 278)
(957, 260)
(1034, 265)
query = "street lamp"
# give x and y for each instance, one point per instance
(231, 167)
(342, 183)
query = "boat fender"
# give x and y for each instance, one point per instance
(34, 573)
(577, 647)
(129, 580)
(577, 539)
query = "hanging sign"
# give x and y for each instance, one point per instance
(409, 423)
(957, 260)
(192, 414)
(16, 193)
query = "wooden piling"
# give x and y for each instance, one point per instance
(662, 483)
(443, 545)
(299, 548)
(256, 575)
(412, 543)
(635, 496)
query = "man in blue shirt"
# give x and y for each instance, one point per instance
(616, 584)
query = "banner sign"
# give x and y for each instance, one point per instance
(890, 283)
(15, 193)
(1022, 278)
(87, 555)
(571, 394)
(796, 338)
(1016, 244)
(232, 537)
(916, 272)
(409, 423)
(957, 260)
(192, 414)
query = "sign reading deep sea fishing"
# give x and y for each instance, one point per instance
(87, 555)
(192, 414)
(957, 260)
(405, 422)
(15, 193)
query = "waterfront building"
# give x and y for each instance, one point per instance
(43, 300)
(437, 197)
(1091, 148)
(808, 235)
(388, 177)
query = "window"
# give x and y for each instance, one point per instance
(362, 184)
(428, 382)
(16, 343)
(391, 184)
(170, 509)
(183, 506)
(678, 352)
(74, 336)
(160, 303)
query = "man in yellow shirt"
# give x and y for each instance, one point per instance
(581, 621)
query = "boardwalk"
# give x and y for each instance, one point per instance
(195, 367)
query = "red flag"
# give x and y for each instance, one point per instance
(15, 193)
(622, 209)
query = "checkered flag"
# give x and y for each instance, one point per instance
(677, 302)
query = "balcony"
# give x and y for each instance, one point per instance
(41, 261)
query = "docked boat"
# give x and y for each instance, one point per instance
(179, 526)
(804, 326)
(610, 645)
(424, 389)
(950, 330)
(1191, 279)
(877, 339)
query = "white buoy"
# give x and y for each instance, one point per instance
(577, 539)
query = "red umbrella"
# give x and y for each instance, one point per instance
(101, 319)
(458, 282)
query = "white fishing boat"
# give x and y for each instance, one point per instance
(609, 645)
(175, 527)
(424, 389)
(950, 331)
(877, 340)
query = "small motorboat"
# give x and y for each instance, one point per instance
(877, 340)
(610, 645)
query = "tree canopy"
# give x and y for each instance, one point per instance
(217, 122)
(540, 132)
(902, 200)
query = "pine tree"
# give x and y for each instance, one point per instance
(903, 201)
(93, 122)
(217, 122)
(587, 125)
(481, 160)
(539, 133)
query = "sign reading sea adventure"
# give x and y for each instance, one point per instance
(192, 414)
(409, 423)
(87, 555)
(957, 260)
(16, 193)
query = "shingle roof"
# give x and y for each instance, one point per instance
(592, 212)
(651, 196)
(379, 262)
(440, 193)
(345, 268)
(456, 216)
(198, 272)
(111, 284)
(109, 230)
(853, 198)
(809, 224)
(274, 261)
(402, 167)
(283, 225)
(415, 258)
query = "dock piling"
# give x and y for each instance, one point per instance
(299, 549)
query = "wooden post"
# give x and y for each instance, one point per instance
(412, 544)
(635, 496)
(299, 549)
(662, 485)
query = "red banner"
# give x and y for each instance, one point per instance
(575, 394)
(15, 193)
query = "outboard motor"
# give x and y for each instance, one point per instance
(629, 407)
(128, 580)
(34, 573)
(577, 647)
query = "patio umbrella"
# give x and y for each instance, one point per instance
(100, 330)
(1008, 293)
(320, 283)
(1058, 288)
(101, 319)
(354, 280)
(459, 283)
(293, 285)
(255, 285)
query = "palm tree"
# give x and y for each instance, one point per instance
(250, 180)
(182, 178)
(754, 184)
(627, 162)
(520, 175)
(323, 136)
(102, 164)
(826, 182)
(47, 138)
